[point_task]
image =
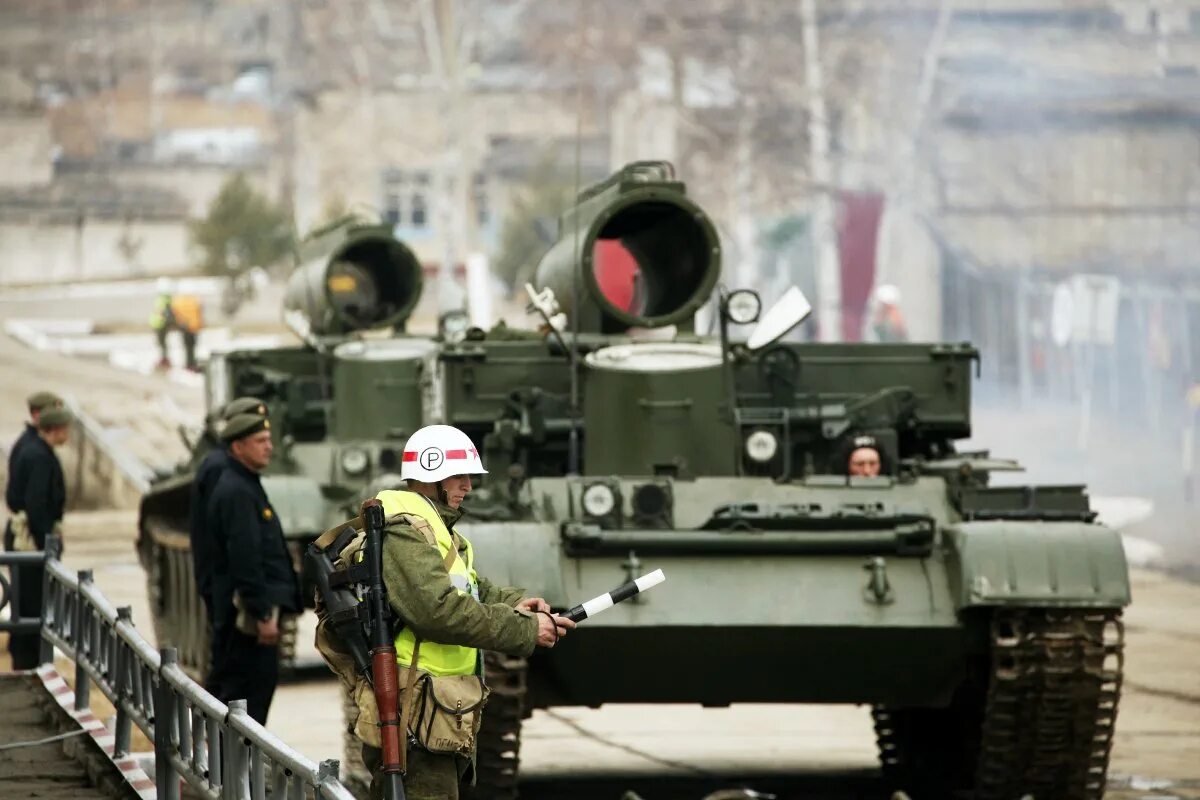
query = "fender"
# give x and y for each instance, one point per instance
(299, 503)
(1035, 563)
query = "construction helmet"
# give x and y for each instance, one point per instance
(436, 452)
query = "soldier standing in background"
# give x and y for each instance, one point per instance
(253, 580)
(207, 475)
(37, 402)
(37, 495)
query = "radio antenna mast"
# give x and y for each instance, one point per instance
(573, 459)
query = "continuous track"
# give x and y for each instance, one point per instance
(1040, 723)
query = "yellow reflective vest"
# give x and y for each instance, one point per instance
(161, 315)
(435, 658)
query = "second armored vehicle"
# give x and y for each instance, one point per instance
(342, 409)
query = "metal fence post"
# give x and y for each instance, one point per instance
(52, 550)
(165, 776)
(236, 785)
(83, 643)
(216, 754)
(327, 770)
(239, 763)
(121, 686)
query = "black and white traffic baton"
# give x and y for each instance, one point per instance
(609, 599)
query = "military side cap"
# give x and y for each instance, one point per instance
(244, 405)
(244, 425)
(55, 417)
(41, 400)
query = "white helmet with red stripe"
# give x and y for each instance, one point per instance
(437, 452)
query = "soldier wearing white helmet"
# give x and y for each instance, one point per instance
(449, 612)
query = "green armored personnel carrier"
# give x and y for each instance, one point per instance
(982, 623)
(342, 404)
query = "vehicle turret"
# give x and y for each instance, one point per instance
(351, 276)
(633, 252)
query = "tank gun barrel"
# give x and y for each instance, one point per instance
(640, 252)
(351, 277)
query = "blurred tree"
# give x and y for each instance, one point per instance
(335, 209)
(243, 230)
(531, 222)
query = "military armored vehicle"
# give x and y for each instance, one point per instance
(981, 622)
(342, 403)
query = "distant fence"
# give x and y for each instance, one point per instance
(218, 750)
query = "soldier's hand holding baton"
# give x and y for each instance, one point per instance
(551, 628)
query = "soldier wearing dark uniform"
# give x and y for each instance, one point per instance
(207, 474)
(210, 469)
(253, 580)
(37, 495)
(37, 402)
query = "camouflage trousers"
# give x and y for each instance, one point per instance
(429, 777)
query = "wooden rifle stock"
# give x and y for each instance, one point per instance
(383, 656)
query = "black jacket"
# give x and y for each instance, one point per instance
(203, 543)
(250, 555)
(26, 436)
(36, 486)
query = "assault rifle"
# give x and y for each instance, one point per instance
(363, 626)
(383, 654)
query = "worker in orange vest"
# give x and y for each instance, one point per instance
(183, 313)
(189, 318)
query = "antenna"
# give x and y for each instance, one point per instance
(573, 437)
(722, 296)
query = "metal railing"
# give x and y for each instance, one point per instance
(218, 750)
(10, 591)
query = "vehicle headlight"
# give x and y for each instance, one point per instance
(761, 446)
(598, 500)
(354, 461)
(743, 306)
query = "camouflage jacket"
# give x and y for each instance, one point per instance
(420, 592)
